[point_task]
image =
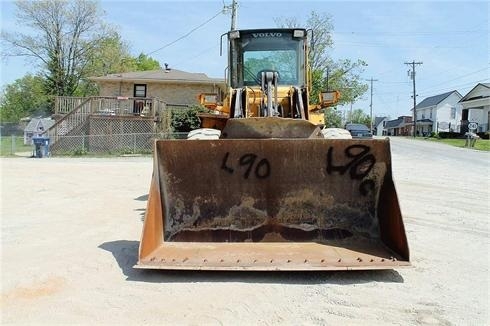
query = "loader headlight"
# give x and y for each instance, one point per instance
(298, 33)
(233, 35)
(329, 98)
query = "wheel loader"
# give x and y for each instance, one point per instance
(266, 187)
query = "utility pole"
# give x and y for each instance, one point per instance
(412, 75)
(234, 6)
(350, 112)
(371, 104)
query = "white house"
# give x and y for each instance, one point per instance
(439, 113)
(379, 126)
(35, 128)
(476, 107)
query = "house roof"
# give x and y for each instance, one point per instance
(378, 120)
(36, 123)
(162, 75)
(425, 122)
(393, 123)
(469, 97)
(434, 100)
(397, 123)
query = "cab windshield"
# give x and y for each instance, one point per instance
(277, 51)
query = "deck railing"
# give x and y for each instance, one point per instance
(82, 108)
(111, 105)
(66, 104)
(69, 122)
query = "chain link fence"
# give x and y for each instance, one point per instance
(13, 145)
(111, 144)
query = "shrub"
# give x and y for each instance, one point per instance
(79, 152)
(185, 120)
(449, 135)
(484, 135)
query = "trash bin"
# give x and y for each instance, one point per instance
(41, 146)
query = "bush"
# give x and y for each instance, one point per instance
(484, 135)
(79, 152)
(449, 135)
(185, 120)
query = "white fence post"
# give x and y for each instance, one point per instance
(12, 145)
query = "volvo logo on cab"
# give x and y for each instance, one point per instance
(258, 35)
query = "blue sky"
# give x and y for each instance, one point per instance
(450, 38)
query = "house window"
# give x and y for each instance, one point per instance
(430, 113)
(453, 113)
(139, 90)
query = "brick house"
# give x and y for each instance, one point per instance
(402, 126)
(171, 85)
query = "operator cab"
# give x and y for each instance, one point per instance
(278, 51)
(267, 73)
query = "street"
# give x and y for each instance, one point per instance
(70, 229)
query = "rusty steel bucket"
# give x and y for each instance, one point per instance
(273, 204)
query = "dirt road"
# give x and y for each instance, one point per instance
(70, 230)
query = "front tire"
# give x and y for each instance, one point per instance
(336, 133)
(204, 133)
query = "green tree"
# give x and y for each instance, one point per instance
(64, 37)
(333, 118)
(358, 116)
(327, 74)
(71, 43)
(145, 63)
(23, 98)
(110, 56)
(185, 120)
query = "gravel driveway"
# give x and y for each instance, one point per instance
(70, 229)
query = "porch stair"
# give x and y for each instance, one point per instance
(101, 116)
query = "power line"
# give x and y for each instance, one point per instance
(385, 45)
(409, 33)
(187, 34)
(457, 86)
(190, 59)
(466, 75)
(392, 82)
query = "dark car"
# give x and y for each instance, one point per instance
(358, 130)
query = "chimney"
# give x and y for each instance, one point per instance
(167, 69)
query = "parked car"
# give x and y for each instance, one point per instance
(358, 130)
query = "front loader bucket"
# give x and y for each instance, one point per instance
(273, 204)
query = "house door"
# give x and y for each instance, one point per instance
(139, 91)
(464, 121)
(488, 122)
